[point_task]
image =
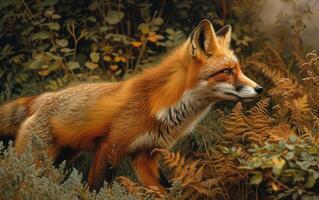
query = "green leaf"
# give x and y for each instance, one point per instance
(91, 19)
(313, 150)
(278, 164)
(144, 28)
(95, 57)
(53, 66)
(66, 50)
(91, 65)
(49, 12)
(170, 31)
(292, 139)
(281, 144)
(256, 178)
(62, 42)
(56, 16)
(41, 35)
(53, 26)
(73, 65)
(289, 156)
(158, 21)
(311, 181)
(114, 17)
(257, 162)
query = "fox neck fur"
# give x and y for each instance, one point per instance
(176, 101)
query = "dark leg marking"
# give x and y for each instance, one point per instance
(163, 180)
(67, 154)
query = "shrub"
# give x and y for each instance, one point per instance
(34, 177)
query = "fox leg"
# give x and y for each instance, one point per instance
(31, 126)
(102, 167)
(34, 127)
(146, 169)
(68, 154)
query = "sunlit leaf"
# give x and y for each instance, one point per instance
(136, 43)
(114, 17)
(107, 48)
(91, 19)
(41, 35)
(49, 12)
(144, 28)
(113, 67)
(275, 187)
(119, 59)
(53, 26)
(62, 42)
(56, 16)
(95, 57)
(66, 50)
(158, 21)
(256, 179)
(107, 58)
(91, 65)
(73, 65)
(278, 164)
(152, 37)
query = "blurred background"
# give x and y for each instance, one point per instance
(272, 9)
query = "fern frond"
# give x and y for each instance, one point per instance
(260, 108)
(302, 104)
(133, 188)
(154, 193)
(171, 160)
(190, 174)
(235, 123)
(259, 118)
(281, 132)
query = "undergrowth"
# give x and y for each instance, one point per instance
(34, 177)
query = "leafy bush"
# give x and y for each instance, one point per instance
(290, 169)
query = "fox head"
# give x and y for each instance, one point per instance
(216, 67)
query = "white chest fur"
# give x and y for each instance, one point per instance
(175, 121)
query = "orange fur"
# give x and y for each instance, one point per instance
(146, 169)
(154, 109)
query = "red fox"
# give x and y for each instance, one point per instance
(131, 118)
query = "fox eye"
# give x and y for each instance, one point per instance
(227, 71)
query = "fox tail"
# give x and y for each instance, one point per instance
(12, 115)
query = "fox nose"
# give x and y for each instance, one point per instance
(259, 89)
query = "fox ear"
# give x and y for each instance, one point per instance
(225, 34)
(203, 39)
